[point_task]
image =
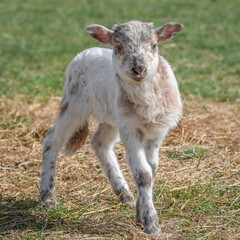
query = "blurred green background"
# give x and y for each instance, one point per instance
(38, 38)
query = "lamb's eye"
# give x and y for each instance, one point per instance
(119, 49)
(154, 46)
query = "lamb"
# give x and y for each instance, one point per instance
(132, 91)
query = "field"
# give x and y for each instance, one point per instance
(197, 187)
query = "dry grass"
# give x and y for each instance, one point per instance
(196, 189)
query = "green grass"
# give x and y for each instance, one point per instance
(199, 205)
(39, 38)
(188, 153)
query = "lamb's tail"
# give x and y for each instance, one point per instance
(76, 141)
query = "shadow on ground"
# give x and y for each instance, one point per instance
(19, 215)
(29, 217)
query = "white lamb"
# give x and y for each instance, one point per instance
(132, 91)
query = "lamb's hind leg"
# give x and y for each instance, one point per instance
(69, 122)
(103, 142)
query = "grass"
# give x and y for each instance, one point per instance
(202, 209)
(197, 187)
(198, 214)
(196, 190)
(39, 38)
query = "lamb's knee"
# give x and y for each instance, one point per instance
(143, 178)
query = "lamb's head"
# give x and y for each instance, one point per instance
(135, 52)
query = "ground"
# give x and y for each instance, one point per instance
(196, 190)
(197, 187)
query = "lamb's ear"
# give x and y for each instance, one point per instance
(100, 33)
(168, 31)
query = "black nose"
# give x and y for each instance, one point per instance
(140, 70)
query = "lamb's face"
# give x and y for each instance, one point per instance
(135, 52)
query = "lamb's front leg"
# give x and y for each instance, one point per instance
(143, 176)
